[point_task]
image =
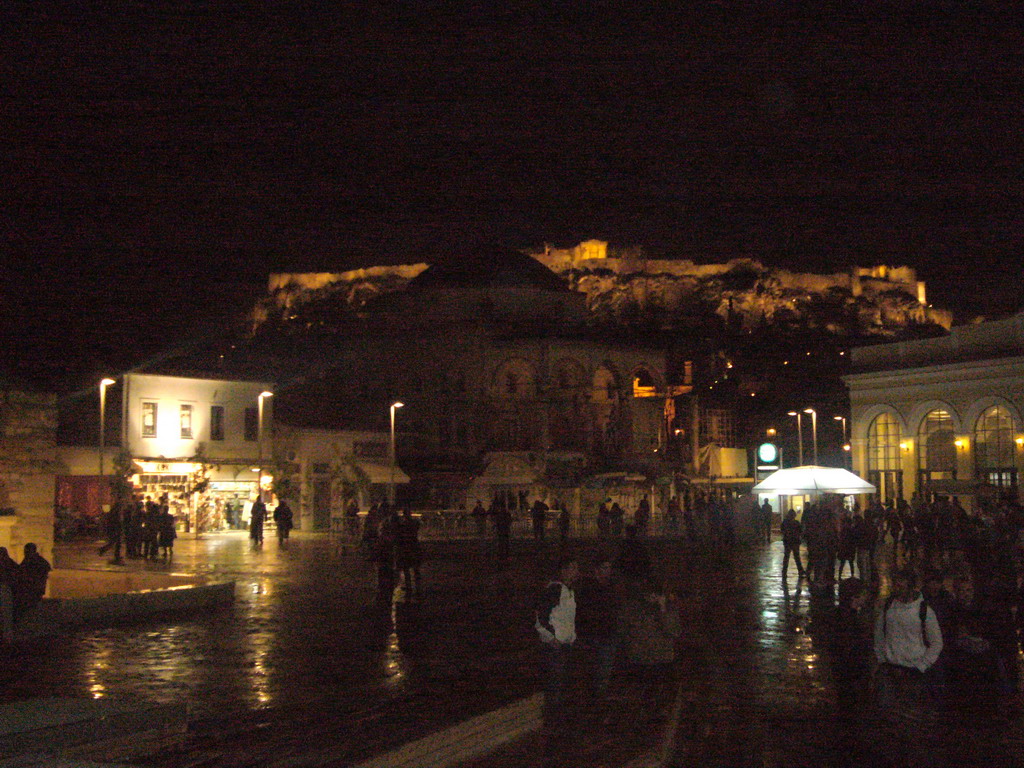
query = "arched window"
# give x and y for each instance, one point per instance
(936, 452)
(884, 465)
(644, 384)
(994, 447)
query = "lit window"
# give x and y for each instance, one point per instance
(185, 420)
(994, 447)
(149, 419)
(216, 422)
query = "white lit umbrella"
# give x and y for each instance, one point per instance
(796, 481)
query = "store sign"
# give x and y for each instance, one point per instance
(768, 454)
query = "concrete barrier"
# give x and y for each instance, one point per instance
(55, 615)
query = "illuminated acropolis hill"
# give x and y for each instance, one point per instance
(625, 283)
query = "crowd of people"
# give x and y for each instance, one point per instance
(391, 541)
(953, 622)
(618, 614)
(146, 527)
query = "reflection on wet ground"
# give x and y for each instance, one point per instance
(307, 667)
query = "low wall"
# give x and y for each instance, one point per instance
(66, 583)
(57, 615)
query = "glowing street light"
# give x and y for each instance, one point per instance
(259, 438)
(391, 486)
(846, 445)
(814, 431)
(799, 436)
(104, 383)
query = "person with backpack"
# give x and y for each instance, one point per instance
(908, 642)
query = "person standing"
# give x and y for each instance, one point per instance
(256, 519)
(538, 513)
(564, 521)
(283, 520)
(642, 516)
(479, 515)
(908, 641)
(617, 515)
(792, 532)
(502, 527)
(597, 614)
(767, 514)
(556, 627)
(167, 532)
(30, 586)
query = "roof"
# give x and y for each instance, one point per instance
(488, 266)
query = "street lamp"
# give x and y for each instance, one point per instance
(799, 436)
(391, 486)
(842, 419)
(104, 383)
(814, 431)
(259, 439)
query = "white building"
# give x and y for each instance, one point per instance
(941, 415)
(182, 431)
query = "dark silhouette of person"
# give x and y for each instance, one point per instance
(634, 561)
(283, 519)
(30, 586)
(502, 527)
(112, 527)
(166, 532)
(408, 556)
(256, 519)
(538, 513)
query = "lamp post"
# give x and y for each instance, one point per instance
(391, 486)
(799, 436)
(104, 383)
(814, 431)
(259, 439)
(846, 447)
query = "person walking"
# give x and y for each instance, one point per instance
(564, 522)
(283, 520)
(256, 519)
(792, 532)
(408, 556)
(112, 526)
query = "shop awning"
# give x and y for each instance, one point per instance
(798, 481)
(374, 473)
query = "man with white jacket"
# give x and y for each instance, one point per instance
(908, 641)
(556, 627)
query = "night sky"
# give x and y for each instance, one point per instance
(157, 164)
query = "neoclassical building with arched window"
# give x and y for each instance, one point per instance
(941, 415)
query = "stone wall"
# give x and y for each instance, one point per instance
(28, 469)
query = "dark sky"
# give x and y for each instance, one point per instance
(154, 160)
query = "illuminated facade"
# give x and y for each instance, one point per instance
(941, 415)
(491, 355)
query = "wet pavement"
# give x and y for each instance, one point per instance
(306, 668)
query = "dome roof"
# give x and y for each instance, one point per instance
(488, 266)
